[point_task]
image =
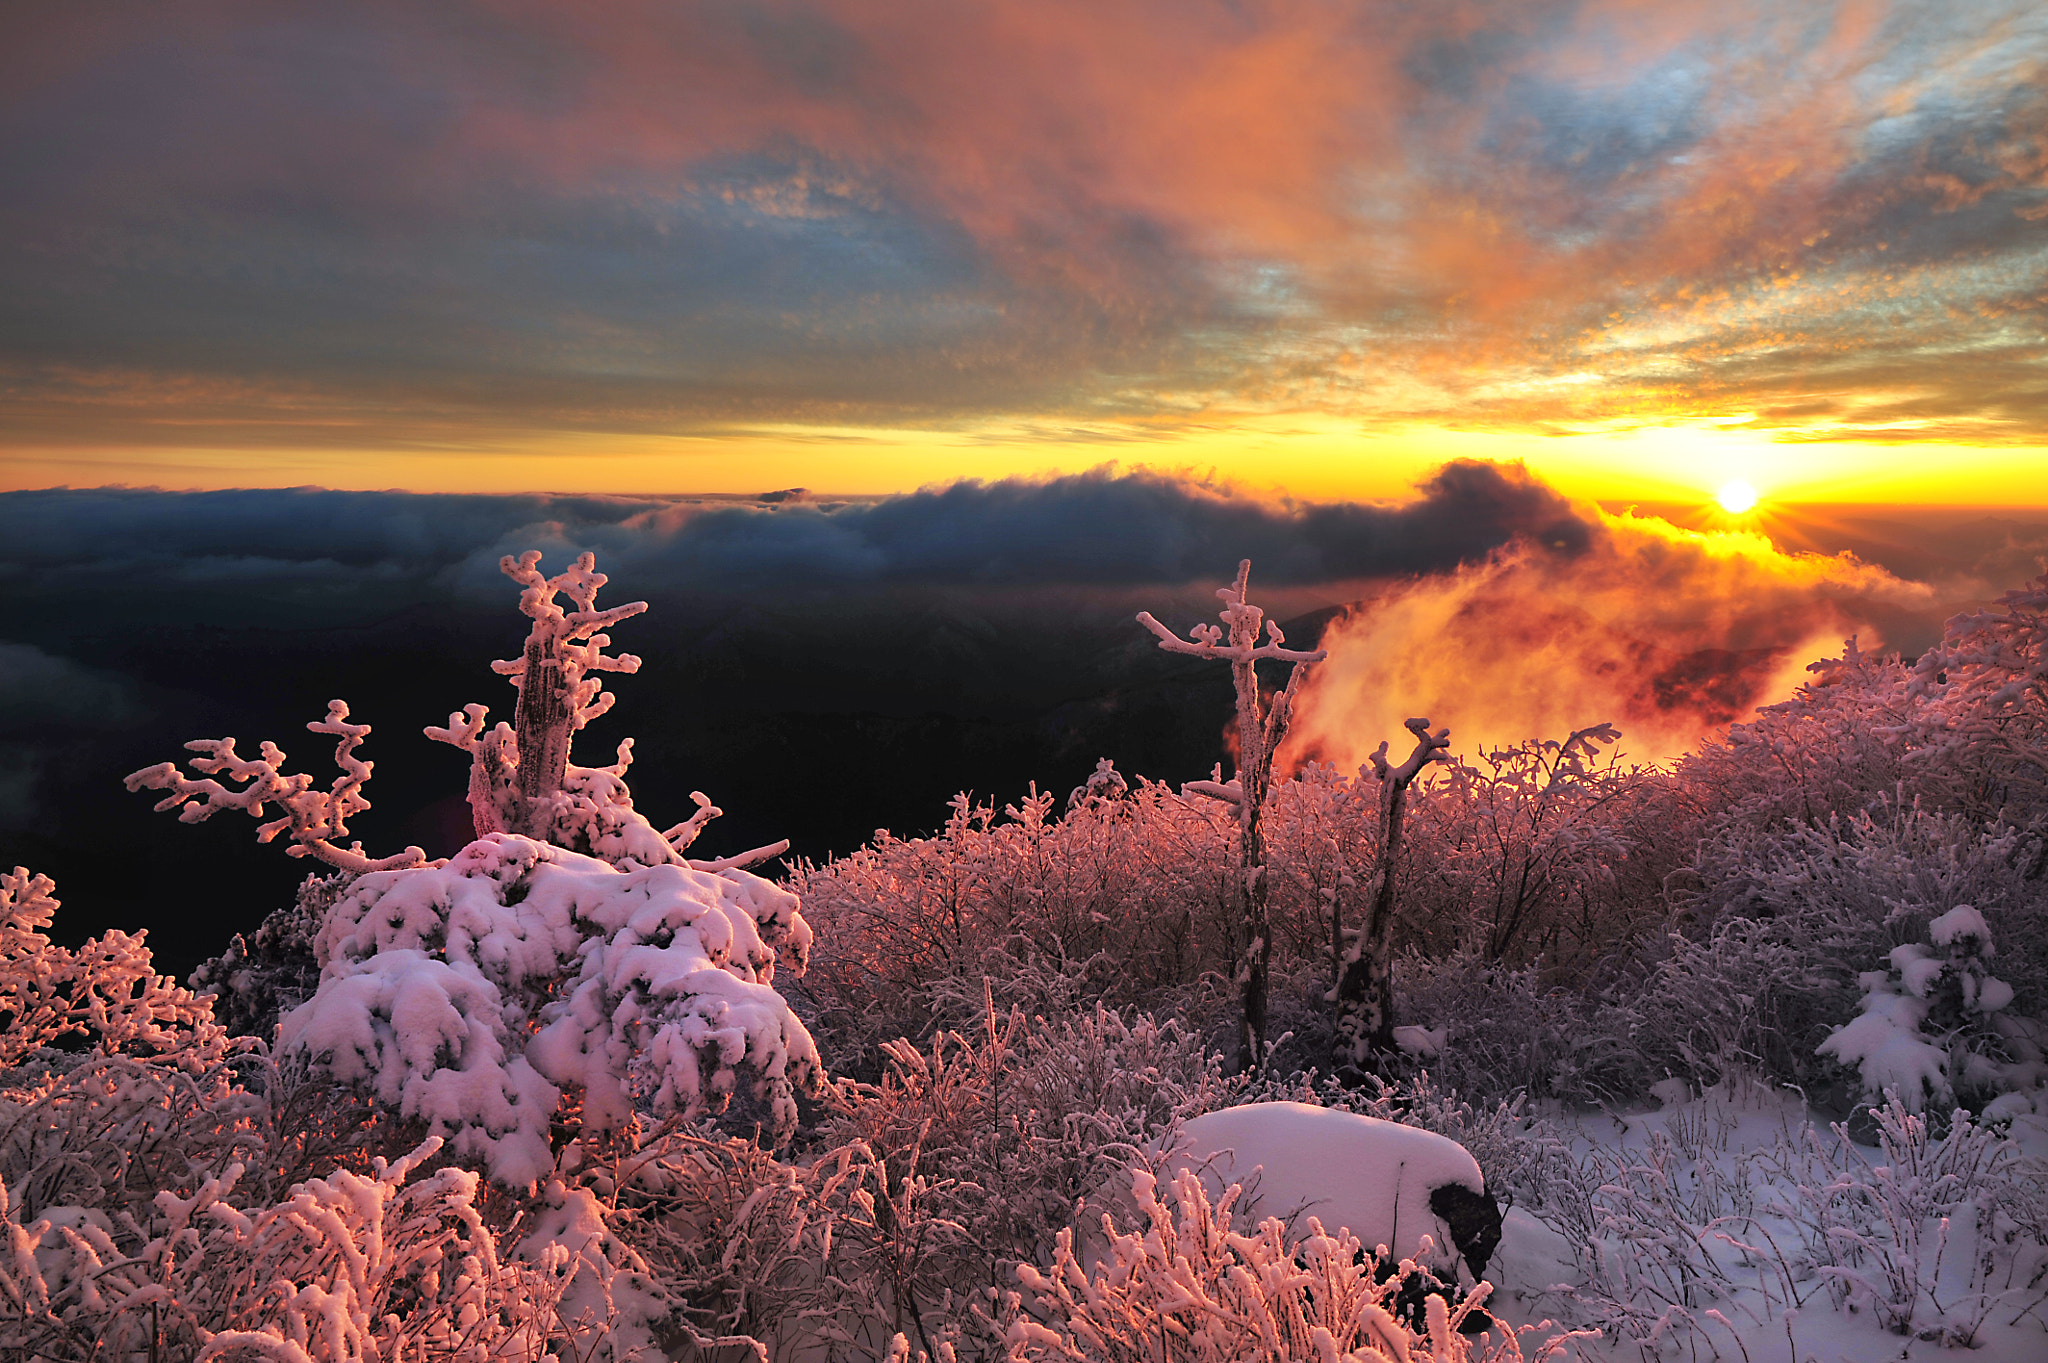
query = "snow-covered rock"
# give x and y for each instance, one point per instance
(1384, 1182)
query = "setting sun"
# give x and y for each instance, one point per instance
(1736, 497)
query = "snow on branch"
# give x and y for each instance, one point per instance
(1230, 792)
(316, 819)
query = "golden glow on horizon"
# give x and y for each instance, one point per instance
(1311, 456)
(1736, 497)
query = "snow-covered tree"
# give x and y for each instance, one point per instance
(1261, 724)
(569, 972)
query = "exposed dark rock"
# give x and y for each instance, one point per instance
(1474, 1219)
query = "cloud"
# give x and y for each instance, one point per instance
(1668, 634)
(1100, 528)
(46, 703)
(381, 224)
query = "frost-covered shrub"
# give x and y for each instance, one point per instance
(1133, 892)
(1182, 1281)
(1538, 850)
(1752, 997)
(1933, 1235)
(1782, 920)
(377, 1265)
(102, 996)
(473, 996)
(165, 1192)
(1930, 1234)
(1929, 1028)
(1507, 1031)
(1980, 734)
(1018, 1125)
(1832, 751)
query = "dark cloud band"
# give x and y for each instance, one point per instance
(1101, 528)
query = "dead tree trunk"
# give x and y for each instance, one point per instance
(1364, 995)
(542, 721)
(1260, 727)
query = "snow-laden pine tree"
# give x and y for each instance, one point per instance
(567, 974)
(1261, 724)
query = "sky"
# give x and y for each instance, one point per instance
(1317, 247)
(1452, 317)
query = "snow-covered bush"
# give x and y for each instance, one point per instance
(1546, 849)
(1831, 751)
(1981, 734)
(1928, 1030)
(1683, 1237)
(476, 996)
(1782, 919)
(165, 1192)
(376, 1265)
(1018, 1122)
(1933, 1235)
(266, 973)
(1507, 1030)
(1128, 900)
(1181, 1282)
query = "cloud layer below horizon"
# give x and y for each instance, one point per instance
(460, 225)
(1487, 599)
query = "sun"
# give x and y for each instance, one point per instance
(1736, 497)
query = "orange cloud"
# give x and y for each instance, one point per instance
(1667, 634)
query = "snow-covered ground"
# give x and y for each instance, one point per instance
(1734, 1224)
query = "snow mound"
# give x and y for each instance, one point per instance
(1371, 1177)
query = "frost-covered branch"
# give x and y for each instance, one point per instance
(1428, 748)
(1236, 640)
(316, 819)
